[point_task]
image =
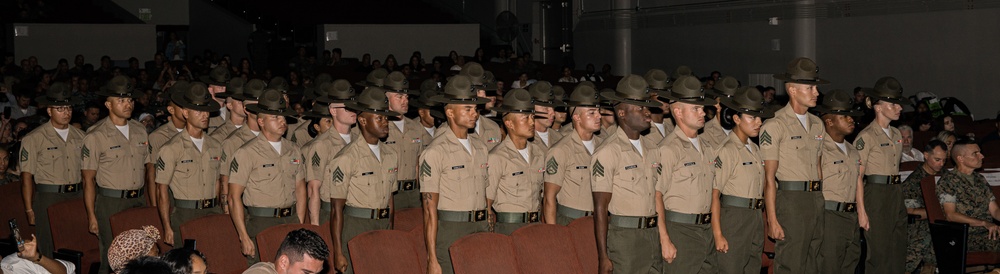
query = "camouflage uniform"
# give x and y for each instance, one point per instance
(971, 195)
(918, 233)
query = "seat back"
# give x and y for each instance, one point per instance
(70, 219)
(416, 237)
(384, 251)
(545, 248)
(909, 166)
(217, 239)
(931, 202)
(136, 218)
(582, 231)
(484, 253)
(408, 219)
(949, 241)
(13, 208)
(270, 239)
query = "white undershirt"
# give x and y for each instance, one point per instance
(198, 142)
(887, 132)
(465, 143)
(803, 119)
(346, 137)
(223, 112)
(377, 150)
(430, 130)
(24, 111)
(727, 131)
(696, 143)
(544, 136)
(399, 125)
(524, 154)
(239, 126)
(179, 130)
(123, 130)
(749, 148)
(659, 126)
(477, 128)
(255, 133)
(842, 146)
(63, 133)
(637, 145)
(276, 146)
(589, 145)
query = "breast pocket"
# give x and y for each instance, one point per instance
(458, 177)
(265, 172)
(185, 169)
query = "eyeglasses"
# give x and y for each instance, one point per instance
(62, 109)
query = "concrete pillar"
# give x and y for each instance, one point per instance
(624, 10)
(805, 29)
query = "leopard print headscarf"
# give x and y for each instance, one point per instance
(131, 244)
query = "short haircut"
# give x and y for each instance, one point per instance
(962, 142)
(301, 242)
(180, 261)
(147, 265)
(905, 128)
(935, 144)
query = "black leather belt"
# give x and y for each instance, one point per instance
(121, 194)
(70, 188)
(801, 185)
(632, 221)
(687, 218)
(840, 206)
(883, 179)
(196, 204)
(462, 216)
(740, 202)
(270, 211)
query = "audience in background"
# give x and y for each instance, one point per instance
(910, 154)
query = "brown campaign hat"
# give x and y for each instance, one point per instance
(272, 101)
(459, 90)
(375, 78)
(478, 76)
(196, 97)
(219, 76)
(584, 96)
(424, 101)
(58, 94)
(429, 84)
(118, 86)
(724, 88)
(687, 89)
(838, 102)
(318, 110)
(803, 71)
(338, 91)
(887, 89)
(516, 100)
(682, 71)
(748, 100)
(541, 92)
(373, 100)
(657, 79)
(251, 90)
(312, 90)
(396, 82)
(235, 86)
(631, 90)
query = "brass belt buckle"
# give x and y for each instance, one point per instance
(649, 222)
(68, 188)
(207, 203)
(757, 205)
(380, 213)
(408, 185)
(705, 218)
(284, 212)
(532, 217)
(132, 194)
(815, 186)
(895, 179)
(478, 215)
(850, 207)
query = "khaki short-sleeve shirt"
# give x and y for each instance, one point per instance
(191, 174)
(714, 133)
(554, 137)
(687, 176)
(319, 152)
(408, 143)
(489, 132)
(159, 137)
(300, 134)
(232, 143)
(739, 171)
(797, 150)
(360, 178)
(515, 185)
(567, 165)
(49, 159)
(619, 169)
(880, 153)
(269, 177)
(120, 163)
(220, 134)
(840, 172)
(457, 175)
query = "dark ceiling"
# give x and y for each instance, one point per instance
(311, 12)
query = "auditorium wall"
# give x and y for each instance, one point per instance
(402, 40)
(950, 53)
(50, 42)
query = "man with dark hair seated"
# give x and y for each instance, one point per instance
(186, 261)
(147, 265)
(966, 197)
(302, 251)
(919, 234)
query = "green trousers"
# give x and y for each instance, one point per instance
(255, 225)
(448, 233)
(743, 229)
(563, 219)
(40, 205)
(354, 226)
(841, 250)
(179, 216)
(800, 214)
(887, 236)
(634, 250)
(695, 249)
(406, 199)
(104, 207)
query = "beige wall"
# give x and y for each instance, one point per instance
(402, 40)
(49, 42)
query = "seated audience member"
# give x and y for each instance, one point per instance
(918, 233)
(568, 77)
(146, 265)
(910, 153)
(302, 251)
(186, 261)
(132, 244)
(923, 122)
(948, 137)
(30, 261)
(966, 197)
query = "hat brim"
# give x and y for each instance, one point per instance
(610, 95)
(106, 93)
(419, 104)
(328, 100)
(178, 98)
(355, 107)
(506, 109)
(788, 78)
(404, 91)
(583, 104)
(314, 114)
(208, 81)
(764, 111)
(825, 110)
(440, 98)
(670, 99)
(44, 100)
(871, 93)
(714, 93)
(255, 108)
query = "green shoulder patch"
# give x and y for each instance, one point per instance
(718, 162)
(338, 175)
(598, 169)
(860, 144)
(765, 138)
(425, 169)
(24, 154)
(234, 166)
(86, 152)
(315, 159)
(552, 167)
(159, 164)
